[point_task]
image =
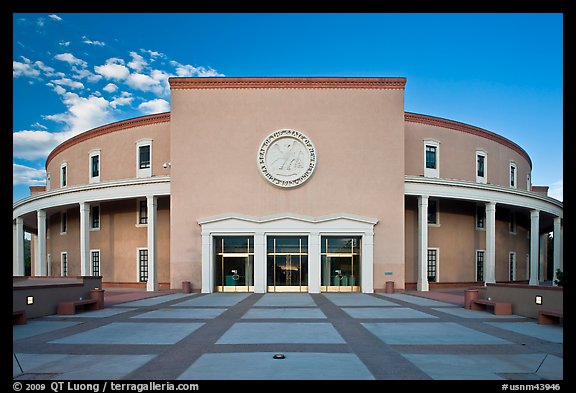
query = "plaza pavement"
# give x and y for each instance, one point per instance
(333, 336)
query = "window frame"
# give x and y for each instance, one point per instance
(512, 264)
(92, 251)
(512, 223)
(513, 178)
(64, 222)
(139, 203)
(476, 264)
(64, 174)
(92, 207)
(484, 178)
(480, 207)
(432, 172)
(437, 267)
(91, 178)
(139, 266)
(64, 263)
(143, 172)
(437, 202)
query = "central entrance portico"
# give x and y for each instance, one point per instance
(287, 253)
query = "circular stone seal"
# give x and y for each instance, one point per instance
(287, 158)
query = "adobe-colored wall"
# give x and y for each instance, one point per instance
(117, 155)
(458, 155)
(358, 135)
(458, 239)
(523, 297)
(117, 239)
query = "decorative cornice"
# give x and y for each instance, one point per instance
(455, 125)
(286, 83)
(108, 128)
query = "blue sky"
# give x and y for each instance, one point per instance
(74, 72)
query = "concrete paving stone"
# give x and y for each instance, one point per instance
(475, 367)
(429, 333)
(34, 328)
(419, 301)
(552, 368)
(281, 313)
(262, 366)
(552, 333)
(214, 300)
(281, 333)
(26, 362)
(385, 313)
(78, 367)
(182, 313)
(132, 333)
(153, 301)
(357, 299)
(465, 313)
(104, 313)
(285, 300)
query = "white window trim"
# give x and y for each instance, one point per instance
(48, 184)
(514, 264)
(62, 264)
(63, 217)
(476, 218)
(138, 225)
(437, 263)
(64, 165)
(95, 179)
(513, 165)
(138, 263)
(92, 261)
(437, 212)
(476, 264)
(146, 172)
(92, 205)
(528, 182)
(482, 179)
(512, 223)
(433, 173)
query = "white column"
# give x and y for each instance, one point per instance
(558, 263)
(490, 259)
(40, 268)
(367, 264)
(18, 250)
(422, 284)
(85, 239)
(259, 262)
(207, 263)
(152, 284)
(534, 240)
(314, 262)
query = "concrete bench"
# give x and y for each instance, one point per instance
(499, 307)
(69, 308)
(546, 317)
(18, 317)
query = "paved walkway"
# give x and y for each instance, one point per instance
(323, 336)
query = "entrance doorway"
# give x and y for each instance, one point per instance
(234, 262)
(341, 258)
(287, 263)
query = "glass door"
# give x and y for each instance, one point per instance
(234, 263)
(340, 264)
(287, 263)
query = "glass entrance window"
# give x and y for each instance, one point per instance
(341, 256)
(234, 263)
(287, 263)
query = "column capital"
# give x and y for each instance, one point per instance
(534, 213)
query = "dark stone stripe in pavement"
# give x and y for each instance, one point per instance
(382, 361)
(174, 361)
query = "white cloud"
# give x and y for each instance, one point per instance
(191, 71)
(69, 82)
(83, 113)
(40, 22)
(83, 73)
(59, 90)
(64, 43)
(110, 88)
(556, 190)
(137, 63)
(88, 41)
(39, 125)
(33, 144)
(144, 83)
(29, 176)
(55, 17)
(24, 69)
(70, 59)
(113, 69)
(157, 105)
(152, 54)
(124, 99)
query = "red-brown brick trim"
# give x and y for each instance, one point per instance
(108, 128)
(454, 125)
(287, 83)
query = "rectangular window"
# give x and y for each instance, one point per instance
(95, 172)
(480, 165)
(430, 157)
(512, 222)
(142, 265)
(513, 175)
(95, 262)
(95, 217)
(63, 175)
(142, 212)
(144, 156)
(64, 262)
(432, 211)
(512, 266)
(63, 223)
(432, 264)
(479, 265)
(480, 216)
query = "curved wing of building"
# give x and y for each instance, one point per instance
(289, 185)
